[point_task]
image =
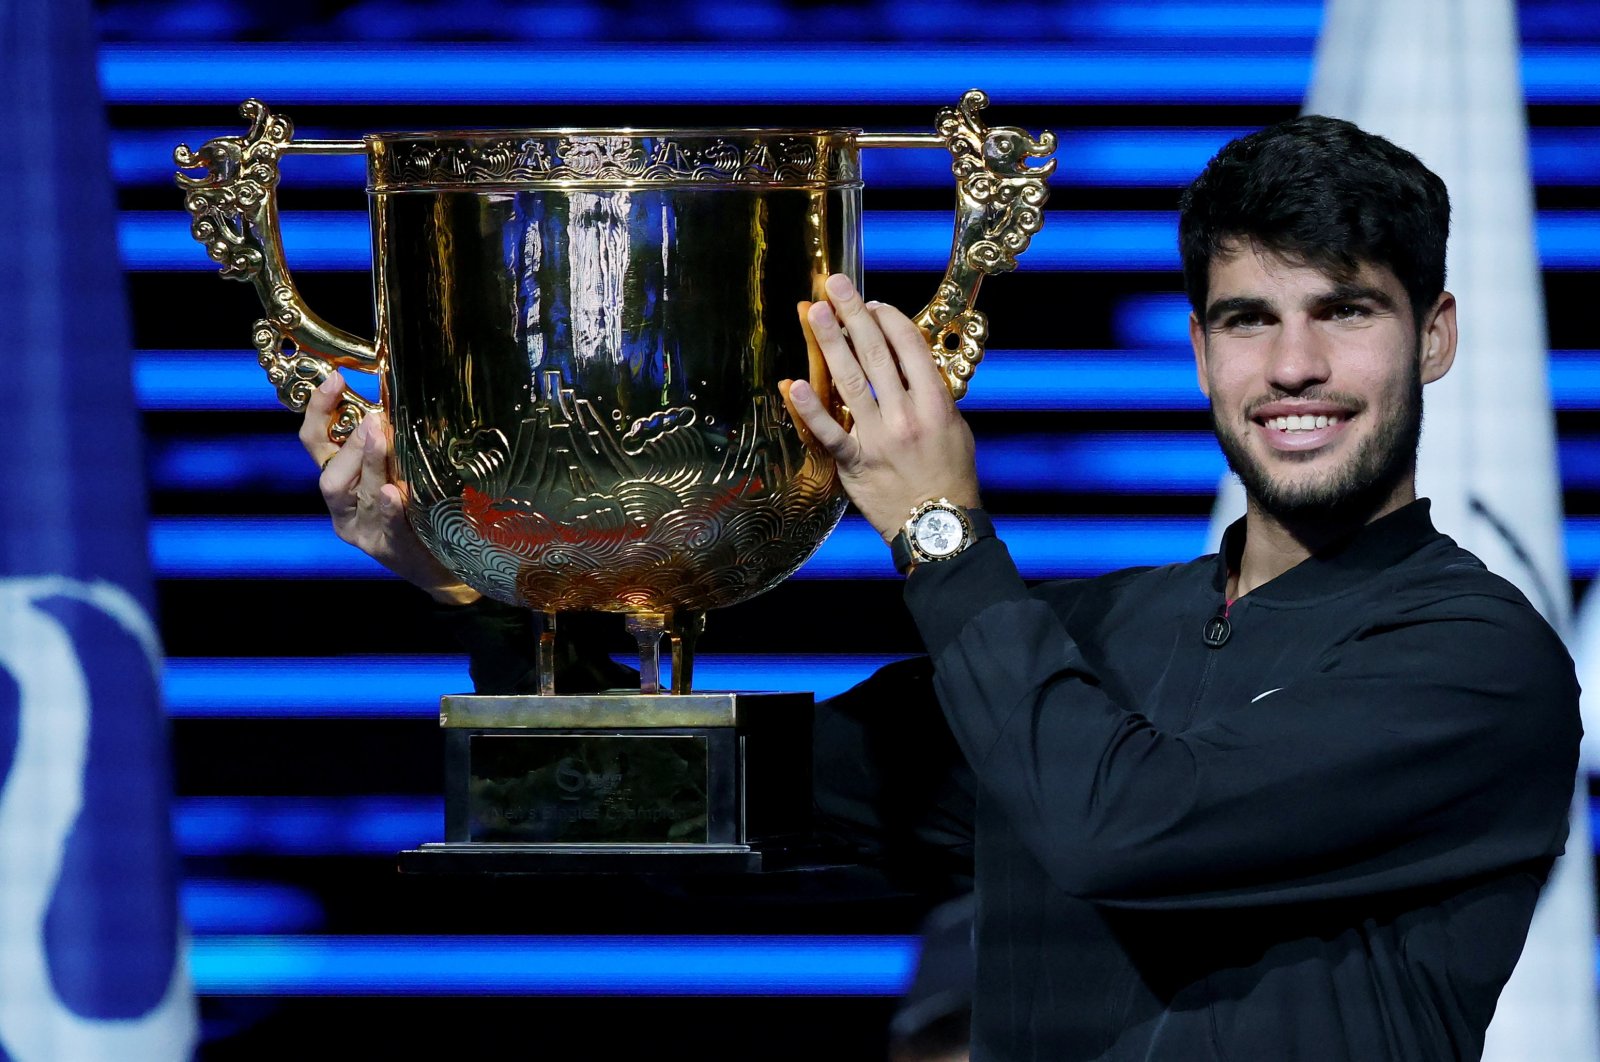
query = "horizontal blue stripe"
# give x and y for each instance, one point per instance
(918, 240)
(1115, 462)
(228, 547)
(1146, 20)
(409, 687)
(1137, 462)
(1569, 239)
(193, 380)
(1122, 462)
(1152, 72)
(214, 905)
(228, 826)
(553, 966)
(1009, 380)
(1263, 20)
(276, 687)
(221, 380)
(755, 20)
(287, 547)
(1580, 462)
(1153, 320)
(308, 826)
(330, 240)
(1564, 156)
(254, 547)
(904, 240)
(1154, 157)
(1171, 21)
(1040, 380)
(698, 74)
(268, 463)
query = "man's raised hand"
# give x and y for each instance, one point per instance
(907, 444)
(369, 511)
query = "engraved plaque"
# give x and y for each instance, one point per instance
(588, 789)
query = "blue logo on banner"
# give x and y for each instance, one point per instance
(93, 966)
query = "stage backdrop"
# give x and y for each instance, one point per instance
(303, 685)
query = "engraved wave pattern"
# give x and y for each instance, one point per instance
(449, 535)
(649, 549)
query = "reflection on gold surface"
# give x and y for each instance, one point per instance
(1001, 206)
(583, 336)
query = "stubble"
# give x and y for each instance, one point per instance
(1355, 490)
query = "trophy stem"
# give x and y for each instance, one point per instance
(687, 626)
(647, 629)
(547, 656)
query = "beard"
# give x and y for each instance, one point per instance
(1357, 488)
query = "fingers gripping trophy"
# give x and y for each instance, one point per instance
(584, 342)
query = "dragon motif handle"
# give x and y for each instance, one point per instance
(234, 207)
(999, 208)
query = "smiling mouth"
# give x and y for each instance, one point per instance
(1302, 435)
(1302, 422)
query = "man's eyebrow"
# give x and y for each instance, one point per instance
(1239, 303)
(1354, 293)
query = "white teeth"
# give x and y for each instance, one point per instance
(1302, 421)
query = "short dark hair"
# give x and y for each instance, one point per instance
(1323, 192)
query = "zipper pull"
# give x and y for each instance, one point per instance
(1217, 629)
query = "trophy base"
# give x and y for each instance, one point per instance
(624, 783)
(455, 858)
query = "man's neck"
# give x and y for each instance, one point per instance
(1273, 546)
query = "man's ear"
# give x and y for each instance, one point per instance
(1197, 340)
(1437, 348)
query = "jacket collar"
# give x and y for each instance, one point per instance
(1371, 549)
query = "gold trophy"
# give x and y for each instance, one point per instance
(580, 338)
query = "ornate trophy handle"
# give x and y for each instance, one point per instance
(999, 208)
(234, 205)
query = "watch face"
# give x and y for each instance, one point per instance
(938, 533)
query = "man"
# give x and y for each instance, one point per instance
(1293, 801)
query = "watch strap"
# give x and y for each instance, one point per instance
(982, 526)
(900, 552)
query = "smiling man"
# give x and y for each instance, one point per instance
(1292, 801)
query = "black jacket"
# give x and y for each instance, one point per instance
(1323, 839)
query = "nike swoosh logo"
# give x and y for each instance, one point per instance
(1268, 693)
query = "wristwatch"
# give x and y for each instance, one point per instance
(937, 531)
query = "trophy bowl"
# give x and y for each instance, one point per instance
(581, 335)
(581, 340)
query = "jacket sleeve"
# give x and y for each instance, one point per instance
(889, 780)
(1438, 745)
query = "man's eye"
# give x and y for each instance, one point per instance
(1348, 312)
(1245, 320)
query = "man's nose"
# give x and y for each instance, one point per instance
(1298, 358)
